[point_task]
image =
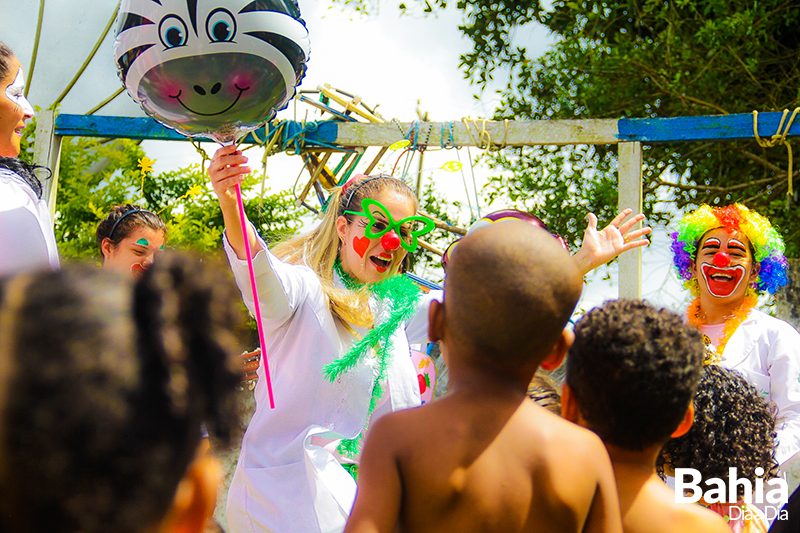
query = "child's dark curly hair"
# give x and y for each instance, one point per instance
(734, 426)
(104, 386)
(633, 369)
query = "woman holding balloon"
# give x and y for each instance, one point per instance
(338, 321)
(26, 229)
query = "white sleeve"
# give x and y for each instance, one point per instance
(784, 372)
(22, 244)
(282, 287)
(417, 326)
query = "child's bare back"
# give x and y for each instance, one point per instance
(485, 458)
(478, 463)
(650, 507)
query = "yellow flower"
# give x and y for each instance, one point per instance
(194, 190)
(146, 165)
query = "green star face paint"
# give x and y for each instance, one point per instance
(378, 228)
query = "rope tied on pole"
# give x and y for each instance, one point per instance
(779, 138)
(484, 136)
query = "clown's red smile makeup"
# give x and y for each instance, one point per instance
(724, 264)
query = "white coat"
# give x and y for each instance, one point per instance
(283, 482)
(767, 351)
(26, 230)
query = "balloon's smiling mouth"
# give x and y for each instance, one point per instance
(180, 92)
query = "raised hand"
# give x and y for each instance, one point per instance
(599, 247)
(227, 168)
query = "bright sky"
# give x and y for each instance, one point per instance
(390, 61)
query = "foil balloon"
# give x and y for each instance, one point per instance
(500, 216)
(448, 252)
(211, 68)
(514, 214)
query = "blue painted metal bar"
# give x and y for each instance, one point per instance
(702, 128)
(424, 282)
(322, 133)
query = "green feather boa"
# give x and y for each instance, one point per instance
(401, 296)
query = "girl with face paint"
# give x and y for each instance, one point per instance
(727, 257)
(338, 321)
(129, 238)
(26, 229)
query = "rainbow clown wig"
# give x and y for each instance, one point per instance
(766, 244)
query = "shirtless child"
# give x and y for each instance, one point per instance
(485, 457)
(631, 375)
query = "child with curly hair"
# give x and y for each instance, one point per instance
(734, 426)
(631, 375)
(104, 387)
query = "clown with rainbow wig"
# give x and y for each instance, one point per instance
(727, 257)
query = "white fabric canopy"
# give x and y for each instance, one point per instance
(70, 30)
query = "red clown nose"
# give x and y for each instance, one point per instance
(390, 241)
(721, 259)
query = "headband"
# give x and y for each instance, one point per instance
(116, 223)
(766, 242)
(356, 183)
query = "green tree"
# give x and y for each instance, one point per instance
(638, 58)
(433, 203)
(97, 174)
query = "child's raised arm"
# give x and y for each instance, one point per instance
(377, 506)
(601, 246)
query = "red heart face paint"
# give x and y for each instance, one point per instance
(135, 252)
(360, 245)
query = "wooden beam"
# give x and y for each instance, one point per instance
(470, 133)
(480, 133)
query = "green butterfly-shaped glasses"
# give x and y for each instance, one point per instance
(366, 203)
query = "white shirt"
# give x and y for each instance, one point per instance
(284, 482)
(27, 241)
(767, 351)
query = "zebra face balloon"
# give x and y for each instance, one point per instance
(211, 68)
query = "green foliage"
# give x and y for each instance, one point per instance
(96, 175)
(674, 58)
(422, 261)
(561, 192)
(642, 58)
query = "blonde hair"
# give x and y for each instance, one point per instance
(319, 249)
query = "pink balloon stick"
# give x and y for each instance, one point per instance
(264, 360)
